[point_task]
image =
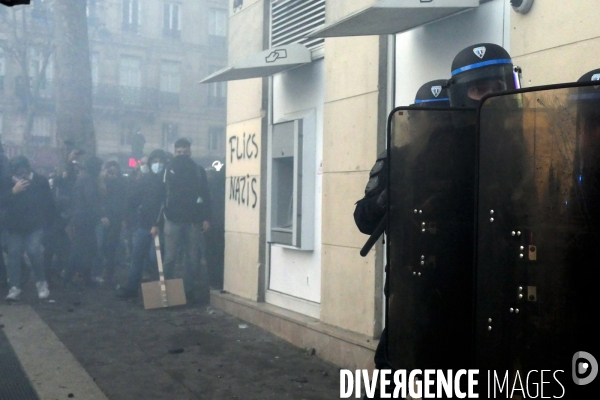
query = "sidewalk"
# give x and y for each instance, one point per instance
(190, 352)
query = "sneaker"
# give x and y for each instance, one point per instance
(13, 293)
(42, 288)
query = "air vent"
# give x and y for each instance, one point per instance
(293, 20)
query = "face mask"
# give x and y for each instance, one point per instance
(157, 168)
(144, 168)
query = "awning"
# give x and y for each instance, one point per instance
(265, 63)
(386, 17)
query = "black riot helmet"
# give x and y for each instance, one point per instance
(433, 94)
(588, 97)
(478, 70)
(587, 100)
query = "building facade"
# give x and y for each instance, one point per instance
(302, 137)
(147, 58)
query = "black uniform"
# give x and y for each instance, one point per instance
(370, 210)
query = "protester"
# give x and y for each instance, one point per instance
(88, 211)
(114, 199)
(187, 215)
(29, 209)
(57, 243)
(145, 203)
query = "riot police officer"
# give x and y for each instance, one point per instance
(430, 257)
(371, 209)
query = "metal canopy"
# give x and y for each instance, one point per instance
(265, 63)
(393, 16)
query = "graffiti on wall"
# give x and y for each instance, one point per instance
(242, 189)
(243, 149)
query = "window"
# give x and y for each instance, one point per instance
(169, 83)
(130, 80)
(2, 68)
(169, 76)
(94, 65)
(41, 131)
(91, 10)
(132, 13)
(170, 133)
(37, 58)
(127, 133)
(217, 22)
(291, 176)
(217, 91)
(129, 72)
(172, 20)
(40, 11)
(216, 134)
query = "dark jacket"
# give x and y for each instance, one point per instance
(115, 199)
(188, 196)
(29, 210)
(146, 199)
(87, 201)
(64, 188)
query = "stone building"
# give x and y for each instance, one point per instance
(147, 57)
(311, 84)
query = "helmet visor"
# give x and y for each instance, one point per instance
(469, 87)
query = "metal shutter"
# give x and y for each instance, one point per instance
(293, 20)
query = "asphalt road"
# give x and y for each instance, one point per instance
(189, 352)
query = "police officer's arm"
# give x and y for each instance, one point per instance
(371, 209)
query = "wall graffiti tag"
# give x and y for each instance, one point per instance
(243, 148)
(243, 151)
(242, 189)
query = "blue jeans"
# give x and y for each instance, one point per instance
(142, 246)
(31, 244)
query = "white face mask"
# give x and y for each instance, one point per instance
(144, 168)
(157, 168)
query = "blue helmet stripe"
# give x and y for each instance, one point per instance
(431, 100)
(481, 65)
(585, 96)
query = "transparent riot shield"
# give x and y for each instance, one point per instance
(430, 237)
(538, 246)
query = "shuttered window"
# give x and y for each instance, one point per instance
(293, 20)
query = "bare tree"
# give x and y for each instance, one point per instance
(31, 46)
(74, 118)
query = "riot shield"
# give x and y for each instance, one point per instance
(538, 234)
(431, 161)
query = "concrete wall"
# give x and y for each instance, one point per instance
(350, 290)
(350, 286)
(243, 183)
(556, 41)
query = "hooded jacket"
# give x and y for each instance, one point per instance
(29, 210)
(188, 197)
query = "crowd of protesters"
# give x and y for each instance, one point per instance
(74, 228)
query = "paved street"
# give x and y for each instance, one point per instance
(190, 352)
